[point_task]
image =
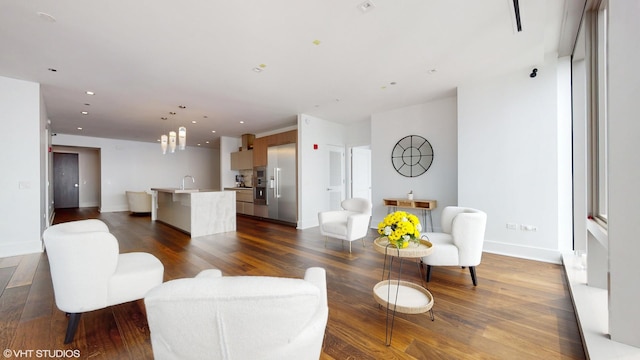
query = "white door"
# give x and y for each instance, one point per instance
(361, 172)
(335, 183)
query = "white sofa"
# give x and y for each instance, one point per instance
(89, 273)
(238, 317)
(139, 202)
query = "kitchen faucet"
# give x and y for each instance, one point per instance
(187, 176)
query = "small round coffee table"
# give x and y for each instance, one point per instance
(398, 295)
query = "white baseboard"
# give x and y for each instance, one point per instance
(22, 248)
(524, 252)
(113, 209)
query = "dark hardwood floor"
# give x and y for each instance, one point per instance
(520, 309)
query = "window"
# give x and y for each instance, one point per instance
(598, 118)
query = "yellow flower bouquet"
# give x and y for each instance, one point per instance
(400, 228)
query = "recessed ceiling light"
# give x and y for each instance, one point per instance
(198, 144)
(172, 112)
(194, 122)
(90, 93)
(259, 68)
(207, 141)
(205, 116)
(87, 104)
(182, 106)
(366, 6)
(79, 128)
(52, 69)
(163, 118)
(432, 71)
(85, 113)
(213, 131)
(392, 83)
(241, 122)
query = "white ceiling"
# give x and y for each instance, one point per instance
(144, 58)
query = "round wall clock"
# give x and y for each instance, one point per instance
(412, 156)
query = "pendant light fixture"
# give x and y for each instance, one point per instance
(179, 138)
(164, 139)
(172, 141)
(182, 137)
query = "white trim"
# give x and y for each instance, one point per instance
(21, 248)
(524, 252)
(591, 308)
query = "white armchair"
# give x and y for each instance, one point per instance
(139, 201)
(351, 223)
(460, 242)
(238, 317)
(88, 273)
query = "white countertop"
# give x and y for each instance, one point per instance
(181, 191)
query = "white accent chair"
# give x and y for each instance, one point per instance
(460, 242)
(238, 317)
(88, 273)
(351, 223)
(139, 202)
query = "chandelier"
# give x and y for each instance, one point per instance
(170, 141)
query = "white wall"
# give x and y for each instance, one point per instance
(313, 166)
(509, 159)
(435, 121)
(132, 165)
(23, 210)
(358, 134)
(227, 146)
(624, 172)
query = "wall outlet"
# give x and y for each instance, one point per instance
(528, 227)
(512, 226)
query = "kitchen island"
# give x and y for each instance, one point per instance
(197, 212)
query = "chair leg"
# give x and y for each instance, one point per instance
(363, 245)
(74, 319)
(472, 270)
(350, 246)
(428, 276)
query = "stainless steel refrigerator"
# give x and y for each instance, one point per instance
(281, 183)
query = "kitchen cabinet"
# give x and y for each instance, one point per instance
(288, 137)
(244, 208)
(242, 160)
(261, 144)
(260, 152)
(244, 200)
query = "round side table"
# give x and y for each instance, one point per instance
(398, 295)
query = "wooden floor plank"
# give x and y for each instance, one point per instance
(25, 270)
(11, 305)
(521, 309)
